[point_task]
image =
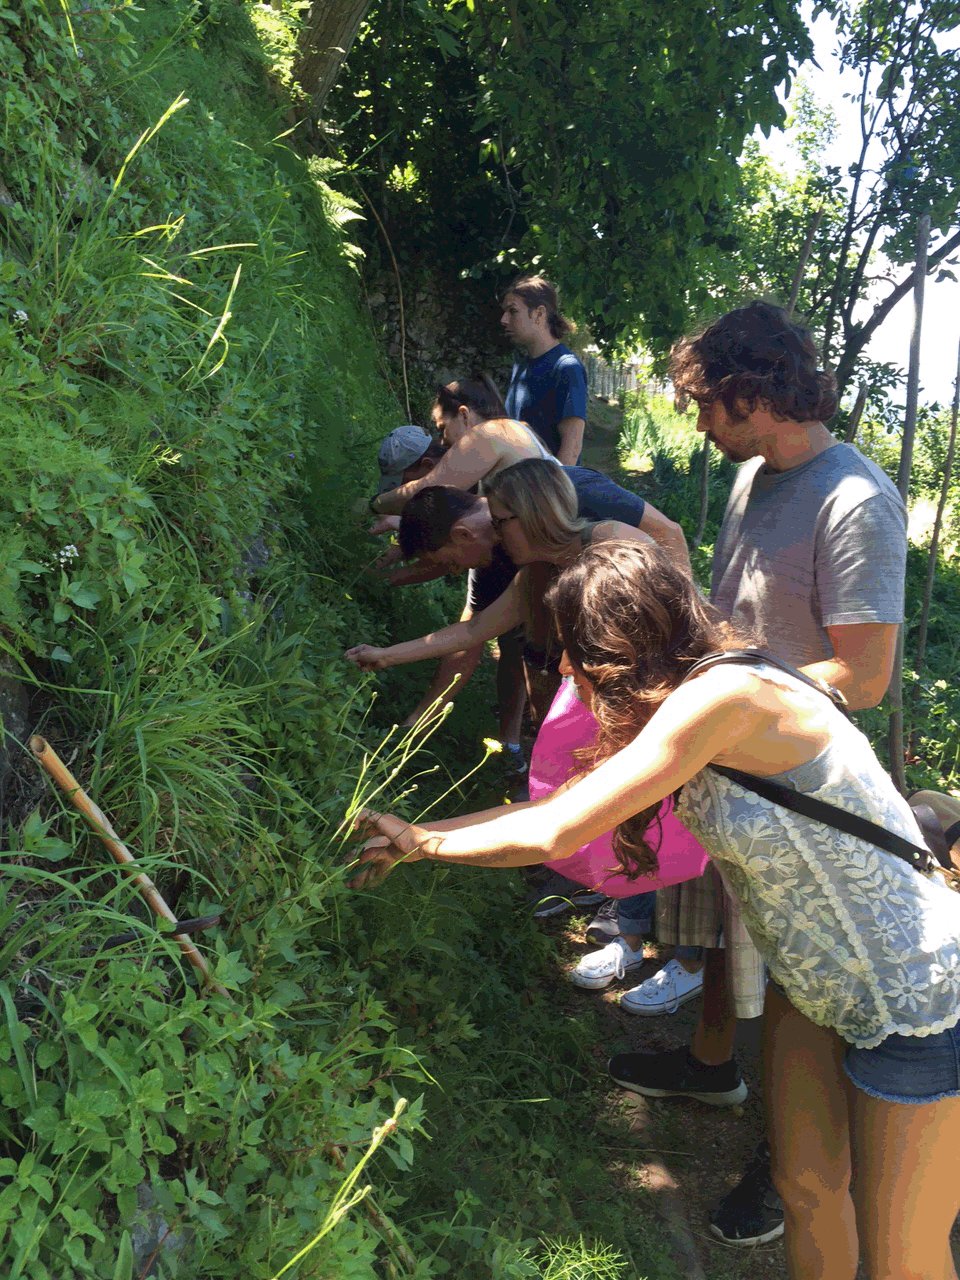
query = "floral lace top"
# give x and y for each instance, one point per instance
(857, 939)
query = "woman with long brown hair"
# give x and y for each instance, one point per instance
(862, 1046)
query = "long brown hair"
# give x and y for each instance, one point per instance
(634, 624)
(478, 392)
(542, 497)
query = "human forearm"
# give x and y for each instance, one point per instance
(690, 729)
(862, 662)
(461, 467)
(674, 544)
(435, 645)
(412, 574)
(571, 441)
(511, 836)
(667, 534)
(858, 693)
(393, 501)
(471, 819)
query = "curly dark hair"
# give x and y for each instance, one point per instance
(754, 355)
(634, 624)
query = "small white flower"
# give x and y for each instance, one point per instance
(66, 554)
(21, 317)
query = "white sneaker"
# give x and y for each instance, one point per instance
(665, 992)
(599, 968)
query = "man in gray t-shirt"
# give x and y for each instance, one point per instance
(810, 561)
(803, 551)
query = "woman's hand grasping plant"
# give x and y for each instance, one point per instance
(396, 840)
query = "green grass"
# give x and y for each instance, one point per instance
(191, 396)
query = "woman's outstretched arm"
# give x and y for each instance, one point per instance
(461, 467)
(697, 723)
(503, 615)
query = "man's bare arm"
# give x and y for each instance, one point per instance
(668, 534)
(571, 440)
(862, 662)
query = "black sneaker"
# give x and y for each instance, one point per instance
(604, 926)
(558, 894)
(752, 1213)
(676, 1073)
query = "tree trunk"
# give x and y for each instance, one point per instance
(895, 734)
(329, 29)
(802, 260)
(856, 413)
(920, 659)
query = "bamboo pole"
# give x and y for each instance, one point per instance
(98, 820)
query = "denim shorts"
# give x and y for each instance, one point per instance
(908, 1068)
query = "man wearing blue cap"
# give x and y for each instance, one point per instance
(407, 453)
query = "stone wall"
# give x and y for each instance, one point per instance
(449, 332)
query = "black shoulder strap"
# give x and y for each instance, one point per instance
(757, 657)
(832, 816)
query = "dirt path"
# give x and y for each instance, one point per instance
(688, 1153)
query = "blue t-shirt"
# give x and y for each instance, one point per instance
(546, 390)
(598, 498)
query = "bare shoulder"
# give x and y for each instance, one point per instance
(726, 683)
(498, 428)
(727, 679)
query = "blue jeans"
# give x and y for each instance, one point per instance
(908, 1068)
(635, 914)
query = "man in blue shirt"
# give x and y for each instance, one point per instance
(548, 385)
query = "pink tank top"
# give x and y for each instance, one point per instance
(568, 727)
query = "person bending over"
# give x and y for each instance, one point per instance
(480, 441)
(468, 413)
(449, 531)
(532, 508)
(861, 1038)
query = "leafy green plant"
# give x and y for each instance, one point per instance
(190, 400)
